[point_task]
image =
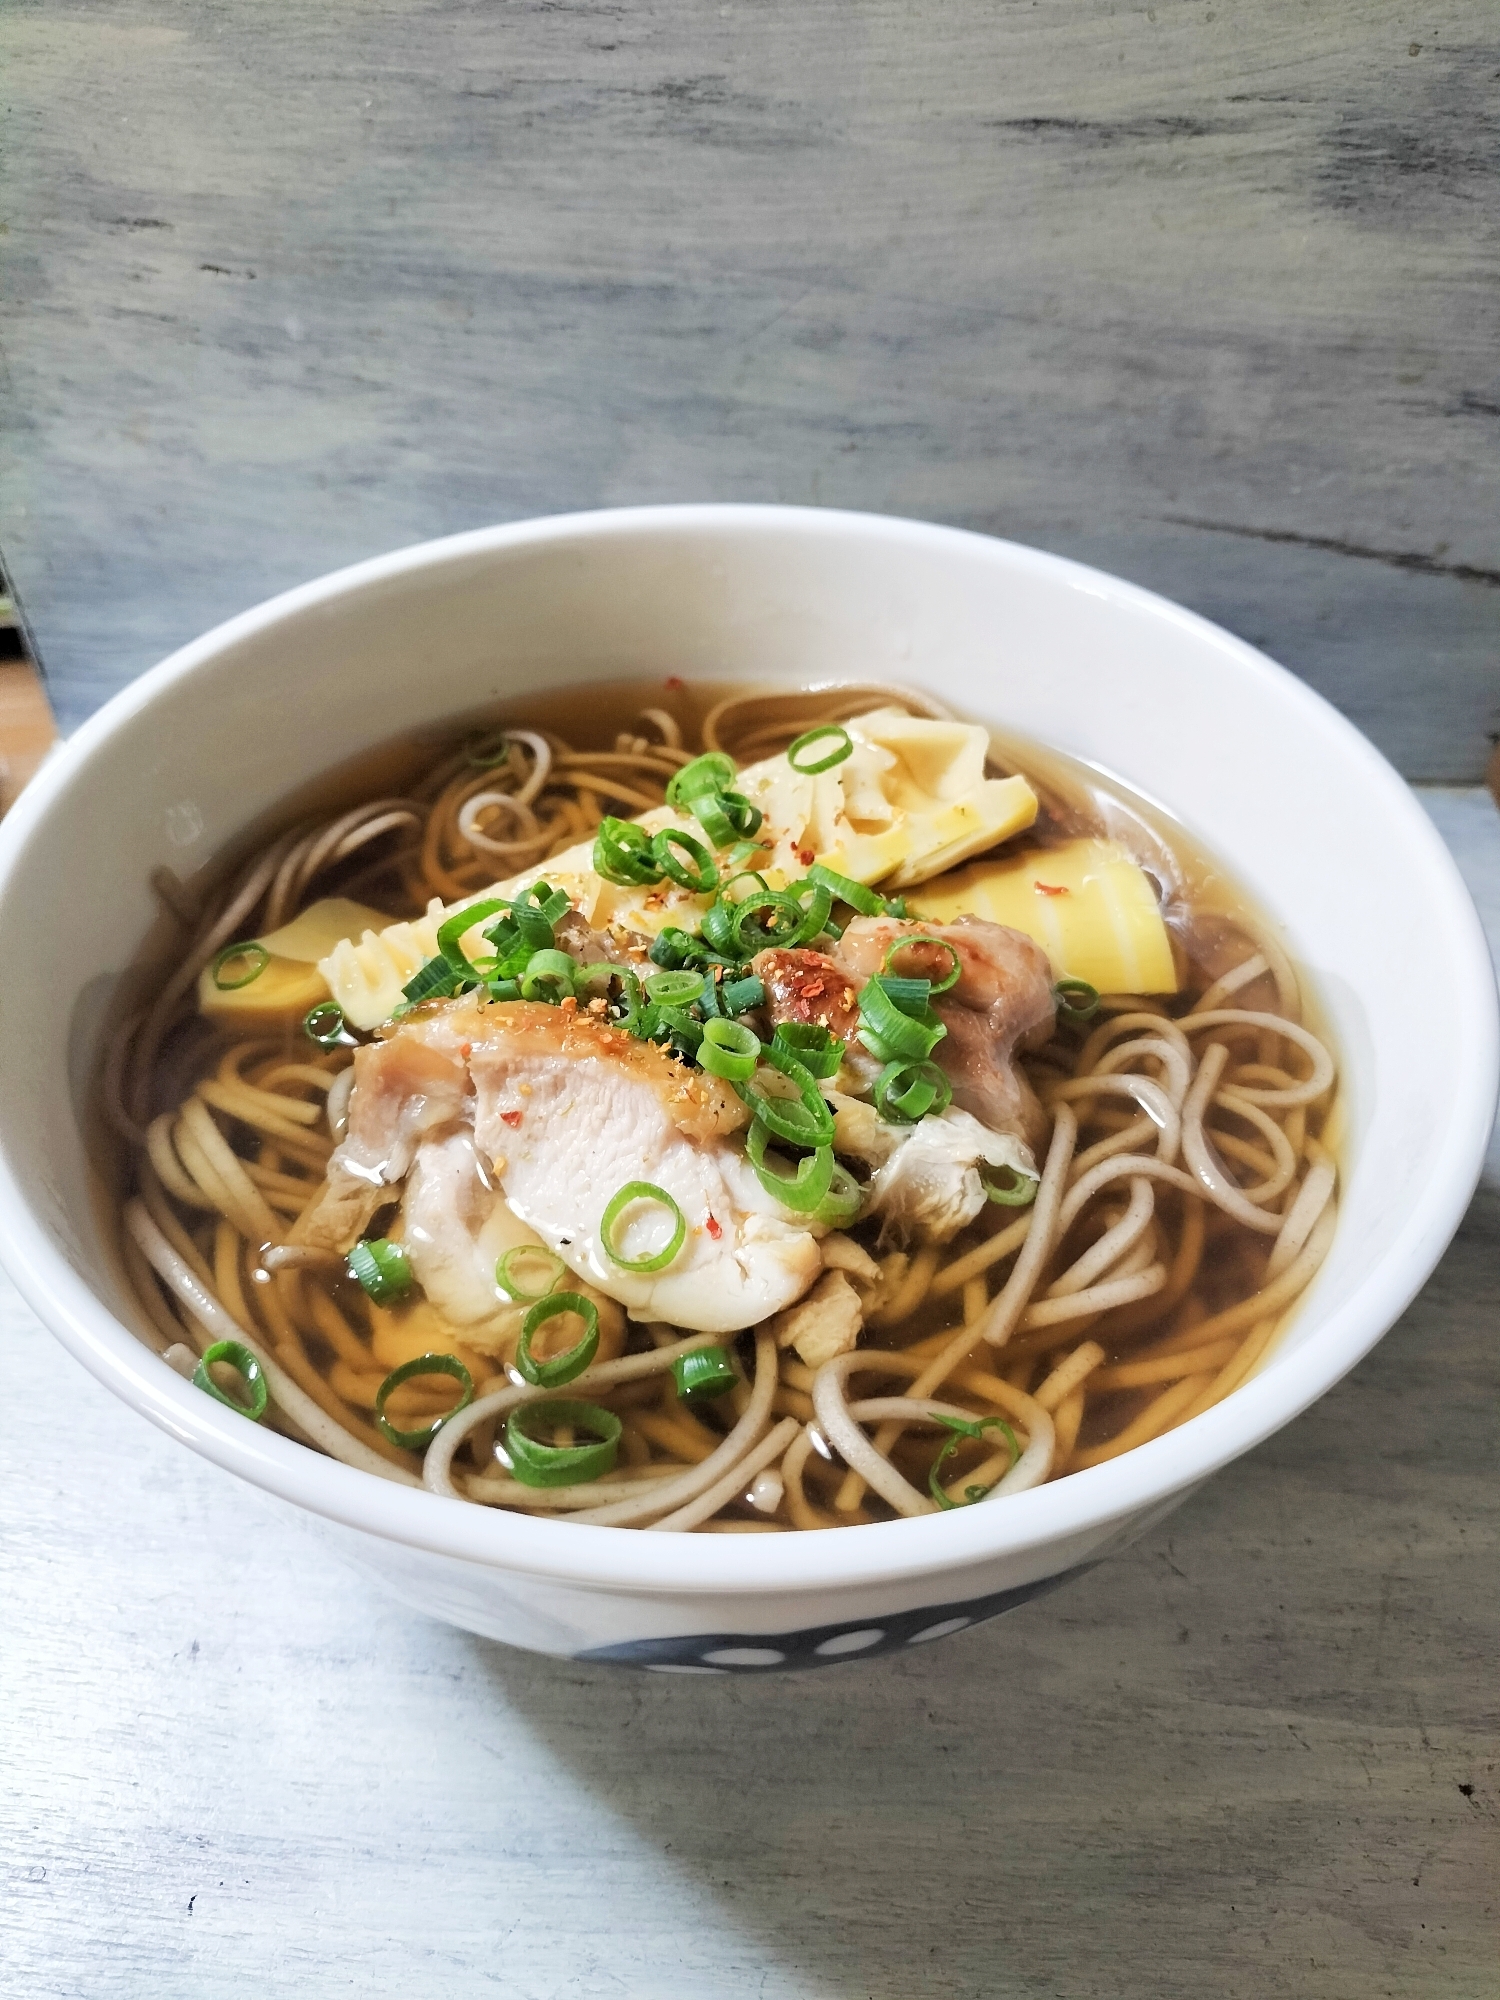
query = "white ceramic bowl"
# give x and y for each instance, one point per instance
(1255, 766)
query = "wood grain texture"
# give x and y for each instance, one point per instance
(1205, 293)
(1254, 1756)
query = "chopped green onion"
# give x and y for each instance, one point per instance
(324, 1024)
(803, 1120)
(634, 1191)
(738, 996)
(536, 910)
(457, 926)
(697, 873)
(817, 1048)
(1020, 1193)
(436, 980)
(801, 920)
(534, 1463)
(846, 890)
(706, 1371)
(801, 1191)
(675, 989)
(684, 1029)
(887, 1029)
(253, 960)
(708, 810)
(503, 989)
(507, 1271)
(244, 1362)
(907, 1091)
(843, 1201)
(729, 1049)
(549, 976)
(558, 1368)
(826, 732)
(895, 906)
(674, 949)
(623, 854)
(962, 1429)
(908, 943)
(485, 751)
(712, 772)
(726, 816)
(382, 1268)
(1075, 1013)
(425, 1364)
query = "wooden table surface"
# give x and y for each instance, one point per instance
(1254, 1756)
(1203, 292)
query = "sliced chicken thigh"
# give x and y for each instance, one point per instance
(1003, 1001)
(564, 1111)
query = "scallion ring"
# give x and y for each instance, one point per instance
(424, 1364)
(382, 1268)
(535, 1463)
(729, 1049)
(950, 978)
(550, 976)
(843, 1201)
(962, 1429)
(250, 1371)
(888, 1030)
(801, 1191)
(624, 854)
(826, 732)
(508, 1271)
(558, 1368)
(458, 925)
(655, 1260)
(803, 1120)
(706, 1371)
(485, 751)
(1075, 1012)
(675, 989)
(817, 1048)
(697, 872)
(712, 772)
(252, 960)
(1020, 1193)
(325, 1025)
(738, 996)
(907, 1091)
(846, 890)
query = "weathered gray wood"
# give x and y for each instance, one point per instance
(1201, 292)
(1255, 1756)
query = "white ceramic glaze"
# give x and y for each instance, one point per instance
(1256, 767)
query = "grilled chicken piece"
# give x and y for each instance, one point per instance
(565, 1110)
(1002, 1002)
(807, 987)
(456, 1225)
(825, 1323)
(925, 1180)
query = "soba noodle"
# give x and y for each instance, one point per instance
(1187, 1197)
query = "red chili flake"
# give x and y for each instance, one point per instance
(814, 989)
(714, 1229)
(510, 1118)
(674, 681)
(466, 1049)
(1051, 889)
(806, 855)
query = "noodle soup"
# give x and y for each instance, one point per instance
(741, 1114)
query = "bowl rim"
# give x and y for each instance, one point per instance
(1031, 1524)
